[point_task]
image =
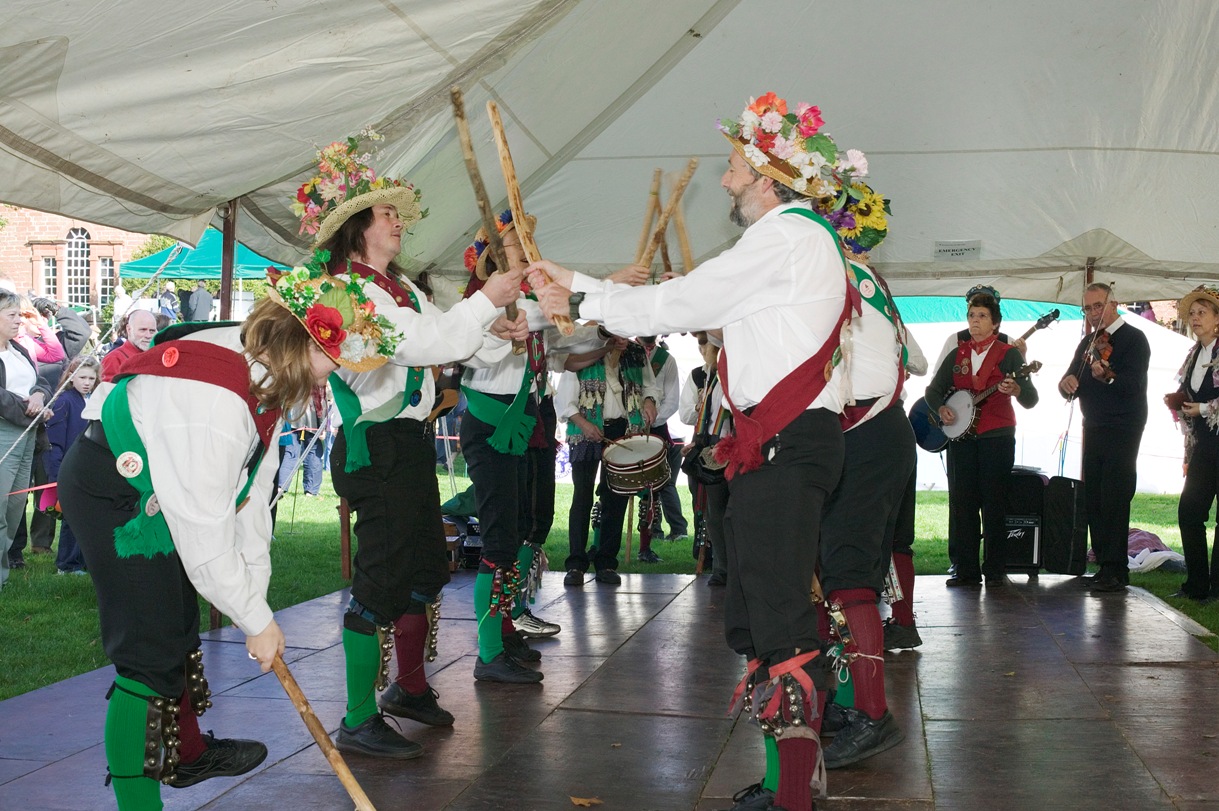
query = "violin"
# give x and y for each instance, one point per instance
(1100, 351)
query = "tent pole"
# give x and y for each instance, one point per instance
(228, 255)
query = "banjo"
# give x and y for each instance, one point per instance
(928, 432)
(964, 403)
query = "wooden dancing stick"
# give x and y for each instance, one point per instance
(670, 207)
(650, 216)
(319, 734)
(683, 240)
(494, 243)
(523, 229)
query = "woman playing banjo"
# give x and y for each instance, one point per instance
(980, 462)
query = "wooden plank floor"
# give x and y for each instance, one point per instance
(1038, 696)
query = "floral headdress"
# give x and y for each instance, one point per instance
(337, 314)
(476, 255)
(345, 184)
(790, 148)
(859, 215)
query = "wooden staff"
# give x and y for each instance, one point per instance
(523, 229)
(670, 207)
(665, 263)
(683, 240)
(494, 243)
(319, 734)
(650, 216)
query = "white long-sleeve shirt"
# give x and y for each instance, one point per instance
(199, 439)
(429, 337)
(499, 371)
(669, 383)
(777, 294)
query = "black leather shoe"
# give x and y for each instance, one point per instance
(862, 738)
(717, 579)
(223, 757)
(422, 708)
(609, 577)
(574, 577)
(753, 798)
(835, 719)
(1108, 585)
(649, 557)
(1087, 580)
(505, 670)
(900, 637)
(375, 738)
(963, 582)
(516, 647)
(997, 580)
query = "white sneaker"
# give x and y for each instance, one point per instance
(532, 626)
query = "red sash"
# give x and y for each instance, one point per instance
(790, 397)
(207, 363)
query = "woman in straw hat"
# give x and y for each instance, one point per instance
(1197, 403)
(155, 531)
(383, 461)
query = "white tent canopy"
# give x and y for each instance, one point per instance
(1062, 136)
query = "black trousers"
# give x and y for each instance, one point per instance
(861, 513)
(903, 530)
(147, 608)
(500, 490)
(978, 473)
(399, 532)
(772, 526)
(1110, 471)
(1199, 493)
(540, 476)
(613, 510)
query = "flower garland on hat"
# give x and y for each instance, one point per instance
(345, 184)
(338, 315)
(791, 148)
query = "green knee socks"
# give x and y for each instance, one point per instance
(363, 655)
(490, 631)
(524, 562)
(125, 736)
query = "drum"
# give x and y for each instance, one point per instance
(636, 463)
(962, 404)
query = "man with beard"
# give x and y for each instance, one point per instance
(782, 298)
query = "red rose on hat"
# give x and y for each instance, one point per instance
(325, 324)
(764, 141)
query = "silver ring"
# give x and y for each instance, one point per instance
(255, 658)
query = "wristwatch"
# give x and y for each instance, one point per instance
(574, 301)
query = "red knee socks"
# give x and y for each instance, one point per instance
(797, 762)
(903, 609)
(867, 639)
(191, 746)
(410, 632)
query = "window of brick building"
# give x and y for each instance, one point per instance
(50, 277)
(78, 266)
(105, 279)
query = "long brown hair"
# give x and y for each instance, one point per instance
(348, 243)
(276, 339)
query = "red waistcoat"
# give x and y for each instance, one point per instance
(996, 411)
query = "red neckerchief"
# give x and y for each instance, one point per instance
(402, 297)
(207, 363)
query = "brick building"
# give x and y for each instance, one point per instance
(62, 258)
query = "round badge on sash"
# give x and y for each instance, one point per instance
(129, 464)
(153, 506)
(170, 358)
(867, 289)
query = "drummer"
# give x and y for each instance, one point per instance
(612, 398)
(980, 465)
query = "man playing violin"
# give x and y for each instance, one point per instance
(1108, 373)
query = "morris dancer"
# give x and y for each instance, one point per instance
(501, 424)
(862, 512)
(383, 461)
(782, 298)
(154, 530)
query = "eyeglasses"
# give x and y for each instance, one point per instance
(1093, 308)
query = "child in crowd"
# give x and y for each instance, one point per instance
(62, 431)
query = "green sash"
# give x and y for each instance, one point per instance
(356, 421)
(513, 427)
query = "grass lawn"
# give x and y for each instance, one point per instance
(49, 623)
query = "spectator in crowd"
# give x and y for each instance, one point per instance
(138, 331)
(199, 307)
(22, 399)
(168, 302)
(79, 378)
